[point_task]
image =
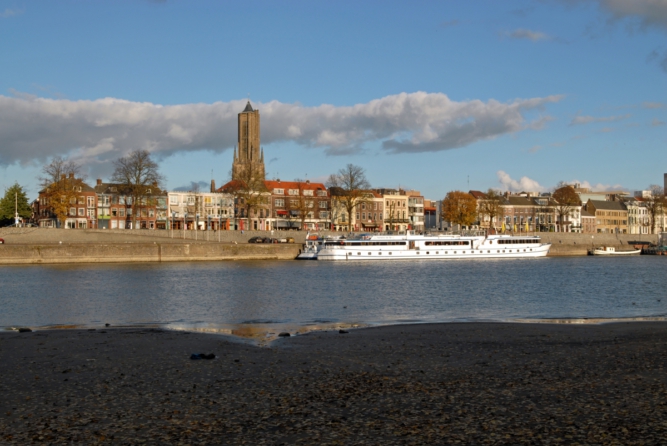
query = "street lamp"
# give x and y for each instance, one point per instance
(171, 225)
(185, 216)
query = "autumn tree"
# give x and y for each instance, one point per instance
(351, 188)
(566, 199)
(655, 205)
(459, 208)
(14, 202)
(60, 181)
(491, 206)
(138, 174)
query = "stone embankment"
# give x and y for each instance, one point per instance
(38, 245)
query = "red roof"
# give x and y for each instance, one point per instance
(286, 185)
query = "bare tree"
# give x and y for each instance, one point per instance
(566, 200)
(249, 191)
(137, 173)
(351, 188)
(491, 206)
(655, 205)
(58, 169)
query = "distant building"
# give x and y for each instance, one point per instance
(610, 216)
(73, 199)
(587, 222)
(296, 202)
(200, 210)
(116, 210)
(248, 155)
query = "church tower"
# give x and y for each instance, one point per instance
(248, 156)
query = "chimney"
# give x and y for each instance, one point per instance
(212, 185)
(99, 181)
(71, 176)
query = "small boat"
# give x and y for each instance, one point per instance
(611, 251)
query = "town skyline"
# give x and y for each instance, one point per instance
(435, 97)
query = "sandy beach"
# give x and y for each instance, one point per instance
(470, 383)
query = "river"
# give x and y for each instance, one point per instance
(265, 296)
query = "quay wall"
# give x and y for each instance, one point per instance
(142, 252)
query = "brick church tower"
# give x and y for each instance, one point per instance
(248, 156)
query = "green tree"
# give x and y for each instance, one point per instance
(15, 199)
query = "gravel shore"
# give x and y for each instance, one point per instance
(471, 383)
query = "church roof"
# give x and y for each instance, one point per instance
(248, 108)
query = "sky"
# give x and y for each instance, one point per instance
(427, 95)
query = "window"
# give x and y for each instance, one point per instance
(324, 214)
(148, 191)
(363, 206)
(310, 204)
(82, 200)
(114, 212)
(308, 192)
(121, 212)
(72, 211)
(294, 203)
(90, 202)
(321, 193)
(375, 206)
(91, 214)
(363, 216)
(294, 191)
(151, 213)
(357, 215)
(173, 199)
(323, 204)
(144, 213)
(342, 218)
(82, 212)
(72, 200)
(279, 202)
(121, 200)
(279, 191)
(191, 199)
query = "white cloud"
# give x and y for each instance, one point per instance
(580, 120)
(10, 13)
(599, 187)
(657, 123)
(653, 105)
(525, 184)
(526, 34)
(95, 132)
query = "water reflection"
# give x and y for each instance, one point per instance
(260, 298)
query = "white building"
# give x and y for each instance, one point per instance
(200, 210)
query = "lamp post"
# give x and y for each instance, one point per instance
(185, 216)
(171, 226)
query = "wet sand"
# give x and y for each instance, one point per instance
(470, 383)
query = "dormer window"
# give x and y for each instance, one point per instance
(278, 191)
(148, 191)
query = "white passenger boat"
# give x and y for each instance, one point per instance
(413, 246)
(611, 251)
(310, 249)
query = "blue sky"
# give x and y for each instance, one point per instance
(429, 95)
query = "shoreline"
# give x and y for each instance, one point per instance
(263, 335)
(425, 383)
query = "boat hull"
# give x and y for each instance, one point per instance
(599, 252)
(361, 254)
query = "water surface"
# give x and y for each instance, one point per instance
(251, 294)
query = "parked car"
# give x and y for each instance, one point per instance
(289, 240)
(256, 240)
(2, 241)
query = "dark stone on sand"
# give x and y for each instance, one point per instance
(24, 330)
(107, 325)
(343, 331)
(284, 334)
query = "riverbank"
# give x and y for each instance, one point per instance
(39, 245)
(465, 383)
